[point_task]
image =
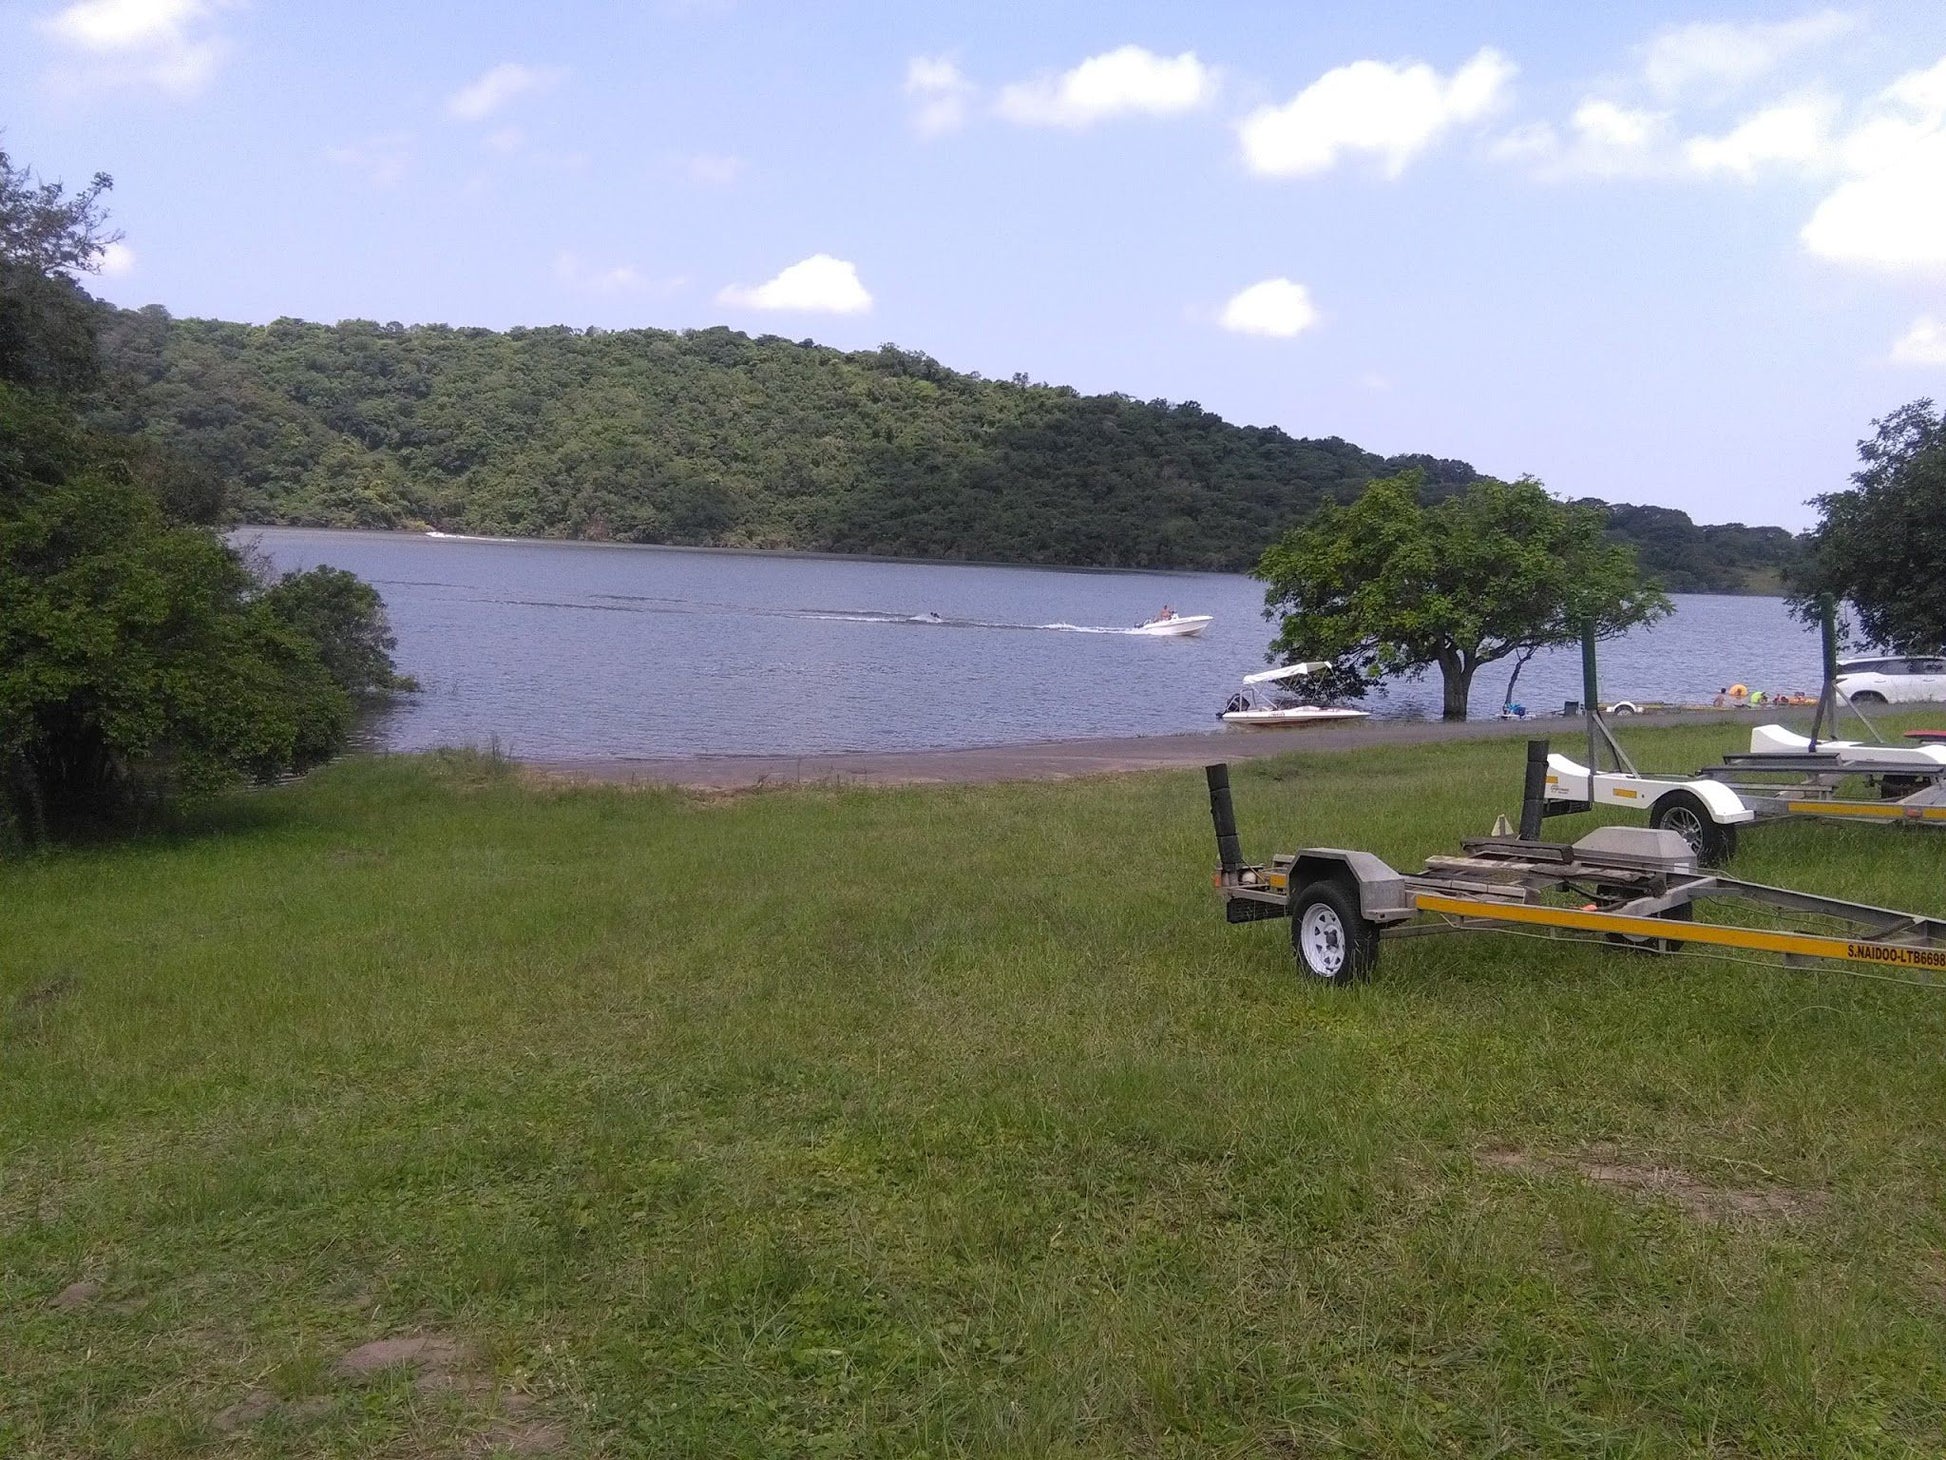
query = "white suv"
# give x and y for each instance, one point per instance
(1889, 681)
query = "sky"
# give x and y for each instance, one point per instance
(1676, 254)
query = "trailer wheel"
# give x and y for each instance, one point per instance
(1686, 913)
(1329, 935)
(1684, 812)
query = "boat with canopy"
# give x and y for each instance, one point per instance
(1256, 705)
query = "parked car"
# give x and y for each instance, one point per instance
(1892, 681)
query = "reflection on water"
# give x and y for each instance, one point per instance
(564, 650)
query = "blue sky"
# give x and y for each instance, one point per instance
(1679, 254)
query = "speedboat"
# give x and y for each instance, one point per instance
(1256, 707)
(1175, 626)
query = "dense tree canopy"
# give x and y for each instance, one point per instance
(708, 437)
(1882, 544)
(139, 656)
(1392, 585)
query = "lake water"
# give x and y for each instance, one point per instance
(581, 650)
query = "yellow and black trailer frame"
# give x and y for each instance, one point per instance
(1631, 887)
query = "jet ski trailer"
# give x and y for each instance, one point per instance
(1784, 776)
(1630, 886)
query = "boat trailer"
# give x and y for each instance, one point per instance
(1784, 776)
(1634, 887)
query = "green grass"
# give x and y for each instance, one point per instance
(946, 1122)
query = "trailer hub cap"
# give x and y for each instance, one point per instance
(1688, 824)
(1321, 934)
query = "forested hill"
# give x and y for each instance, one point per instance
(711, 437)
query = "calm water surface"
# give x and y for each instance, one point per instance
(570, 650)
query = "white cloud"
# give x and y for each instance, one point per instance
(506, 139)
(1923, 344)
(940, 95)
(1732, 53)
(819, 284)
(1890, 213)
(117, 261)
(1276, 307)
(1607, 139)
(1891, 219)
(1393, 112)
(493, 89)
(1127, 81)
(714, 169)
(167, 44)
(383, 160)
(1791, 134)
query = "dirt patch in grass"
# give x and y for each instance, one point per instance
(1702, 1200)
(439, 1365)
(433, 1357)
(77, 1294)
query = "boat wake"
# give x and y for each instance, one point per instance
(646, 603)
(933, 620)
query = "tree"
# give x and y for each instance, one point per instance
(1882, 544)
(140, 658)
(137, 661)
(1391, 586)
(47, 333)
(344, 617)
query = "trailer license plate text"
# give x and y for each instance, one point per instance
(1903, 957)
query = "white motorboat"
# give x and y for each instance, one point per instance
(1175, 625)
(1256, 707)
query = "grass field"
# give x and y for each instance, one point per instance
(941, 1122)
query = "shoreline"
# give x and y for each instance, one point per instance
(831, 555)
(1056, 760)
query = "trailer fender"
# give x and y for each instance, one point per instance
(1725, 807)
(1567, 780)
(1382, 896)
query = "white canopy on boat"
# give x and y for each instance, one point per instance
(1289, 671)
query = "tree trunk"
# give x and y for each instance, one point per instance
(1458, 674)
(1507, 700)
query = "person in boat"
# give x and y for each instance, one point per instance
(1164, 617)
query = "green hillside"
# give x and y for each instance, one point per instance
(710, 437)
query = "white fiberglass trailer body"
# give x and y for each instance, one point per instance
(1784, 775)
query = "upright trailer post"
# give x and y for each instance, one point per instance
(1827, 715)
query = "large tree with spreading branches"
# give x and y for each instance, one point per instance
(1392, 586)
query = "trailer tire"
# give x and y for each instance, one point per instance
(1684, 812)
(1683, 914)
(1331, 937)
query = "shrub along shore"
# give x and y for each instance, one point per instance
(416, 1107)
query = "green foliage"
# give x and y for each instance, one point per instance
(1725, 557)
(46, 321)
(137, 660)
(708, 437)
(1882, 544)
(139, 657)
(1390, 585)
(344, 617)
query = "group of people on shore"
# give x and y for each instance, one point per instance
(1736, 696)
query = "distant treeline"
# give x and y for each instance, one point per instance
(709, 437)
